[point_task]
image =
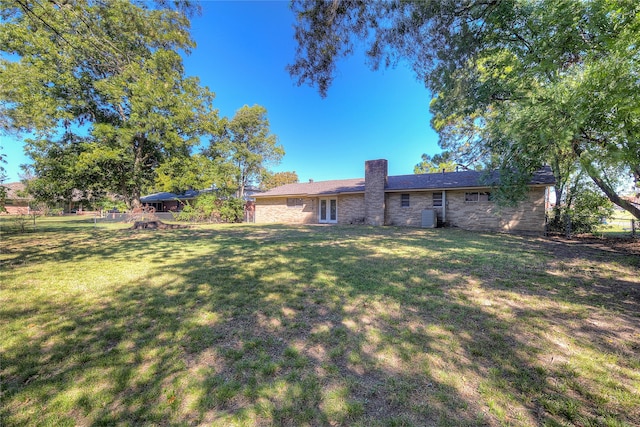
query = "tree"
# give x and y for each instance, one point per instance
(439, 162)
(107, 71)
(516, 83)
(3, 189)
(247, 143)
(196, 173)
(53, 176)
(273, 180)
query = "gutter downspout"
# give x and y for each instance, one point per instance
(444, 206)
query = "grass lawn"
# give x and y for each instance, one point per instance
(310, 325)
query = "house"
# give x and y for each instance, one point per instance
(458, 199)
(17, 201)
(170, 202)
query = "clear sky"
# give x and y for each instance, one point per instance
(241, 54)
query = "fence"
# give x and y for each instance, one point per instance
(128, 217)
(613, 227)
(624, 226)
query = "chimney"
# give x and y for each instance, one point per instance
(375, 181)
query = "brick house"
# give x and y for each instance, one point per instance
(458, 199)
(17, 201)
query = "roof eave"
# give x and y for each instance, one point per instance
(468, 187)
(336, 193)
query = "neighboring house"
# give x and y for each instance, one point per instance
(457, 199)
(170, 202)
(250, 192)
(17, 202)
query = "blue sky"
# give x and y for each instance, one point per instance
(241, 55)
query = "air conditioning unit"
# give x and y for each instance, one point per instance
(429, 219)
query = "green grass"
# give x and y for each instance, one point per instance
(274, 325)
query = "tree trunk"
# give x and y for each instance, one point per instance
(610, 192)
(615, 198)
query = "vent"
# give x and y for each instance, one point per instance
(429, 218)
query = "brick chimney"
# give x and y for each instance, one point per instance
(375, 181)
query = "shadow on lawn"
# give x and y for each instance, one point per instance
(327, 326)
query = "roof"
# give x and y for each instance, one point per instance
(427, 181)
(317, 188)
(13, 188)
(165, 196)
(462, 179)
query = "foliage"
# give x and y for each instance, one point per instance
(232, 210)
(110, 203)
(187, 214)
(54, 174)
(206, 207)
(210, 208)
(590, 207)
(38, 209)
(111, 75)
(3, 189)
(247, 143)
(273, 180)
(20, 222)
(582, 210)
(516, 83)
(195, 172)
(437, 163)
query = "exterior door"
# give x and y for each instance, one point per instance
(328, 211)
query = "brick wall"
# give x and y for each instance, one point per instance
(351, 209)
(375, 178)
(275, 210)
(482, 216)
(528, 216)
(409, 215)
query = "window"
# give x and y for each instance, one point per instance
(294, 202)
(482, 196)
(471, 197)
(437, 200)
(404, 200)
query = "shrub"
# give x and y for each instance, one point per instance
(232, 210)
(211, 209)
(587, 210)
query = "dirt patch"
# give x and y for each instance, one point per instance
(155, 225)
(621, 245)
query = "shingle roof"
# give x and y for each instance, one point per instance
(13, 188)
(463, 179)
(165, 197)
(429, 181)
(317, 188)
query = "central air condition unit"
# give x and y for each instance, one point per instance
(429, 218)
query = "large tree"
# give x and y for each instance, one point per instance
(110, 72)
(516, 83)
(247, 142)
(438, 162)
(273, 180)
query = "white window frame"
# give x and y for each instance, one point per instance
(327, 210)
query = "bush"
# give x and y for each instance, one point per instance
(187, 214)
(232, 210)
(207, 208)
(588, 209)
